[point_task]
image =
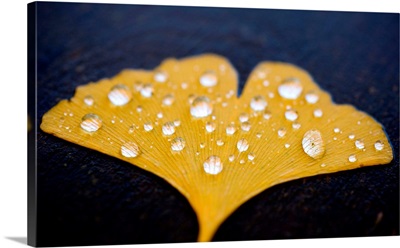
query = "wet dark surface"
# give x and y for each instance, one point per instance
(85, 197)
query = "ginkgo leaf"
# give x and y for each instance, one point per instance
(184, 123)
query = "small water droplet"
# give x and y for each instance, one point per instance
(209, 79)
(160, 115)
(318, 113)
(296, 125)
(120, 95)
(323, 165)
(88, 100)
(147, 90)
(213, 165)
(178, 144)
(168, 100)
(242, 161)
(258, 135)
(287, 145)
(251, 156)
(231, 157)
(291, 115)
(131, 129)
(267, 115)
(312, 97)
(243, 117)
(220, 142)
(281, 132)
(230, 129)
(139, 109)
(168, 128)
(258, 103)
(266, 83)
(160, 76)
(184, 85)
(201, 107)
(359, 144)
(352, 158)
(91, 123)
(313, 145)
(177, 122)
(246, 126)
(242, 145)
(130, 150)
(210, 126)
(379, 145)
(291, 88)
(191, 98)
(112, 121)
(351, 136)
(148, 126)
(336, 130)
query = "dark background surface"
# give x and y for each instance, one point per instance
(88, 198)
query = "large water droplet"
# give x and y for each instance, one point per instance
(160, 76)
(213, 165)
(231, 129)
(291, 88)
(168, 128)
(147, 90)
(91, 122)
(210, 126)
(291, 115)
(243, 117)
(242, 145)
(201, 107)
(313, 144)
(120, 95)
(258, 103)
(209, 79)
(379, 145)
(178, 144)
(246, 126)
(148, 126)
(352, 158)
(168, 100)
(312, 97)
(359, 144)
(130, 150)
(88, 100)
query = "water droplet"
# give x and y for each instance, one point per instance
(202, 145)
(231, 157)
(258, 135)
(312, 97)
(379, 145)
(112, 121)
(323, 165)
(318, 113)
(131, 129)
(160, 115)
(184, 85)
(220, 142)
(177, 122)
(168, 128)
(191, 98)
(291, 88)
(91, 122)
(281, 132)
(251, 156)
(246, 126)
(139, 109)
(88, 100)
(201, 107)
(291, 115)
(168, 100)
(213, 165)
(120, 95)
(130, 150)
(209, 79)
(242, 161)
(313, 145)
(147, 90)
(336, 130)
(287, 145)
(351, 136)
(267, 115)
(148, 126)
(266, 83)
(243, 117)
(242, 145)
(258, 103)
(210, 126)
(231, 129)
(178, 144)
(352, 158)
(296, 125)
(160, 76)
(359, 144)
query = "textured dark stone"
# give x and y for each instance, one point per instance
(87, 198)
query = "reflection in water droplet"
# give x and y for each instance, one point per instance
(318, 113)
(379, 145)
(130, 150)
(91, 122)
(312, 97)
(210, 126)
(359, 144)
(168, 128)
(291, 88)
(251, 156)
(231, 129)
(168, 100)
(352, 158)
(213, 165)
(178, 144)
(243, 117)
(242, 145)
(201, 107)
(160, 76)
(209, 79)
(258, 103)
(246, 126)
(120, 95)
(147, 90)
(220, 142)
(313, 145)
(88, 100)
(291, 115)
(281, 132)
(148, 126)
